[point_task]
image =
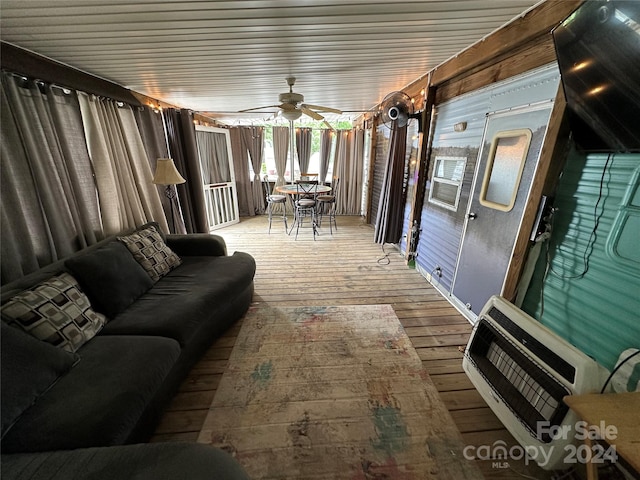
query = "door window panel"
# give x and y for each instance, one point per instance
(504, 168)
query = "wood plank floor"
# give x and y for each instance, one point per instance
(348, 268)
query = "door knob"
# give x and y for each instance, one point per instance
(472, 216)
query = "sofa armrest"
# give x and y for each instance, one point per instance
(152, 461)
(197, 245)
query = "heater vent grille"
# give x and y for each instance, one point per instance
(529, 391)
(534, 346)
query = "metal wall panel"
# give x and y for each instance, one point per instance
(441, 228)
(598, 312)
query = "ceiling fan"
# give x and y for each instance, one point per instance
(292, 106)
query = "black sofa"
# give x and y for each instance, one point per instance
(66, 401)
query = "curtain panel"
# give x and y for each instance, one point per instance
(127, 196)
(152, 132)
(48, 206)
(348, 166)
(326, 138)
(253, 139)
(303, 148)
(389, 218)
(280, 152)
(184, 151)
(241, 167)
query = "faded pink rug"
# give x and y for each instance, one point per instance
(332, 393)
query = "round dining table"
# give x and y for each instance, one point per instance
(293, 189)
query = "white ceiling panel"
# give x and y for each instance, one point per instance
(225, 56)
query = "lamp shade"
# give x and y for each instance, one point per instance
(166, 173)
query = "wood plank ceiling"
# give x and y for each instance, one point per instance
(225, 56)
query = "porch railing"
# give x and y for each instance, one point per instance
(222, 204)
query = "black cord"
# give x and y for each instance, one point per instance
(586, 256)
(385, 257)
(618, 368)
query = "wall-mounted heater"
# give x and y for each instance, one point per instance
(523, 370)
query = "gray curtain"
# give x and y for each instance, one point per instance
(388, 227)
(152, 132)
(214, 159)
(341, 166)
(243, 182)
(280, 152)
(184, 151)
(303, 148)
(326, 136)
(127, 196)
(48, 205)
(253, 139)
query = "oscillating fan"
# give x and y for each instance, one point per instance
(396, 109)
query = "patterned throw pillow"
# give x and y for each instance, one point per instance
(151, 252)
(56, 311)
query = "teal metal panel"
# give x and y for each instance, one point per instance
(591, 293)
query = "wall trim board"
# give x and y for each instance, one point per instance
(536, 23)
(526, 58)
(25, 62)
(552, 158)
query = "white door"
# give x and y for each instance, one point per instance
(218, 176)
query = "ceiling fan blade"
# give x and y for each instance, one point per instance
(311, 113)
(287, 107)
(258, 108)
(323, 109)
(328, 125)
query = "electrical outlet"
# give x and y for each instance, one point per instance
(438, 271)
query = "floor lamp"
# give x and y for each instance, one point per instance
(167, 174)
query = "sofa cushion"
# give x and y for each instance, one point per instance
(151, 252)
(111, 277)
(153, 461)
(56, 311)
(100, 401)
(196, 292)
(29, 368)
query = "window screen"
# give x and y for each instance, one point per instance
(446, 184)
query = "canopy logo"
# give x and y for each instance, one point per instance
(576, 452)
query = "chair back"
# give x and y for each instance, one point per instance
(305, 177)
(266, 188)
(334, 186)
(307, 190)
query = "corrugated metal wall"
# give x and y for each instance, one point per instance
(441, 228)
(598, 312)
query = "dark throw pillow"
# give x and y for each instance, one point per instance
(111, 277)
(56, 311)
(29, 368)
(151, 252)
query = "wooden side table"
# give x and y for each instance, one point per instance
(605, 412)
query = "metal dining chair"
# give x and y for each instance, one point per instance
(272, 200)
(326, 205)
(305, 205)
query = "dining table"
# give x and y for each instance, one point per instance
(292, 189)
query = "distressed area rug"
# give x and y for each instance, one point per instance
(332, 393)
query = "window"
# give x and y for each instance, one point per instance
(622, 244)
(446, 185)
(504, 169)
